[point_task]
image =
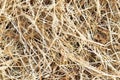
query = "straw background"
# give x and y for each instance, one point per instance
(59, 39)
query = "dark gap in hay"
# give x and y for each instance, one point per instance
(24, 24)
(77, 77)
(37, 69)
(81, 18)
(41, 64)
(11, 33)
(119, 8)
(42, 14)
(17, 63)
(83, 6)
(1, 76)
(43, 78)
(60, 34)
(103, 35)
(76, 69)
(79, 4)
(9, 26)
(107, 5)
(47, 2)
(67, 1)
(93, 13)
(57, 68)
(115, 37)
(38, 22)
(119, 40)
(109, 70)
(75, 22)
(96, 39)
(103, 11)
(116, 65)
(49, 33)
(116, 47)
(37, 58)
(25, 60)
(70, 38)
(58, 58)
(88, 73)
(77, 45)
(2, 18)
(71, 17)
(117, 78)
(69, 68)
(22, 0)
(16, 69)
(96, 65)
(60, 72)
(25, 9)
(53, 66)
(87, 47)
(1, 4)
(37, 39)
(115, 29)
(1, 45)
(45, 19)
(92, 57)
(28, 70)
(49, 19)
(9, 11)
(104, 18)
(7, 58)
(110, 46)
(20, 47)
(32, 2)
(94, 61)
(69, 61)
(7, 71)
(59, 55)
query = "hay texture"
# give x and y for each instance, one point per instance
(59, 39)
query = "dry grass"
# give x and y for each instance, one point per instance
(59, 39)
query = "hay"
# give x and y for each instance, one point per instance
(59, 39)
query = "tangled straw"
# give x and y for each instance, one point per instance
(59, 39)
